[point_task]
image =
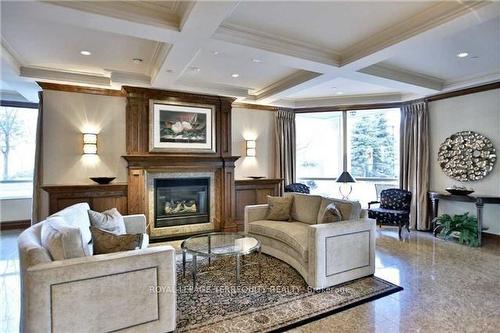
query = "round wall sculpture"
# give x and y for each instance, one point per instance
(467, 156)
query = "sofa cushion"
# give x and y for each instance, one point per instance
(305, 207)
(110, 220)
(330, 214)
(279, 208)
(63, 241)
(348, 209)
(107, 242)
(294, 234)
(77, 216)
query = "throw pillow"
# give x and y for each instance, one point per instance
(331, 214)
(63, 241)
(279, 208)
(107, 242)
(110, 220)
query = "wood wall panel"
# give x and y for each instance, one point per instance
(253, 192)
(140, 160)
(99, 197)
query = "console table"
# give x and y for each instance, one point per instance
(478, 200)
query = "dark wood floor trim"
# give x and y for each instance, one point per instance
(13, 225)
(338, 108)
(80, 89)
(465, 91)
(491, 237)
(18, 104)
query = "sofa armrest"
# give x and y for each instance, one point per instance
(340, 252)
(131, 289)
(255, 213)
(135, 224)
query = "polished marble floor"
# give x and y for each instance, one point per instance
(447, 288)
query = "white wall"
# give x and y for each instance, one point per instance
(15, 209)
(478, 112)
(249, 124)
(66, 116)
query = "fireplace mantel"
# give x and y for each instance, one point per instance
(142, 162)
(152, 160)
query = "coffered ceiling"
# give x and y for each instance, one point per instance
(265, 52)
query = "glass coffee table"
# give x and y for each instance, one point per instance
(219, 244)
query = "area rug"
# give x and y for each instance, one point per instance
(277, 300)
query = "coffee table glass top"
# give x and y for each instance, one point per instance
(220, 244)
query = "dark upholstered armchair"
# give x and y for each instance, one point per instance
(394, 208)
(297, 187)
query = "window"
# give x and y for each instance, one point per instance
(319, 148)
(371, 141)
(17, 151)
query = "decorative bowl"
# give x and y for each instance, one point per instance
(102, 180)
(457, 191)
(256, 177)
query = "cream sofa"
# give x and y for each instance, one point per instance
(324, 254)
(124, 291)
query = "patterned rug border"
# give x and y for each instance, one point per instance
(347, 306)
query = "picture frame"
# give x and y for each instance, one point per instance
(181, 127)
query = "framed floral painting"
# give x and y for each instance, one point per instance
(181, 127)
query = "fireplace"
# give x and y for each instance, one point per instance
(181, 201)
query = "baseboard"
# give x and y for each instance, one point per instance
(491, 237)
(13, 225)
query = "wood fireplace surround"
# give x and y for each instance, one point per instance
(141, 161)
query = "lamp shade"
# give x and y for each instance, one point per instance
(345, 177)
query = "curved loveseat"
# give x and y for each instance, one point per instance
(324, 254)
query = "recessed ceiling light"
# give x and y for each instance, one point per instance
(340, 93)
(462, 54)
(137, 60)
(258, 61)
(235, 75)
(194, 69)
(215, 52)
(85, 53)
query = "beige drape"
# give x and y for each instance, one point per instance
(285, 145)
(37, 170)
(414, 165)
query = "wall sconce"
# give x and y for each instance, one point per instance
(89, 143)
(251, 148)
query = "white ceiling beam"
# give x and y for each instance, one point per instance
(64, 13)
(64, 76)
(295, 82)
(399, 75)
(10, 65)
(199, 23)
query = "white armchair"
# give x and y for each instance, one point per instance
(124, 291)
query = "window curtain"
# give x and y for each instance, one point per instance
(37, 169)
(414, 157)
(285, 145)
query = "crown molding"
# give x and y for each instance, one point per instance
(130, 78)
(10, 55)
(141, 12)
(65, 76)
(432, 17)
(347, 100)
(237, 34)
(257, 107)
(472, 81)
(159, 55)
